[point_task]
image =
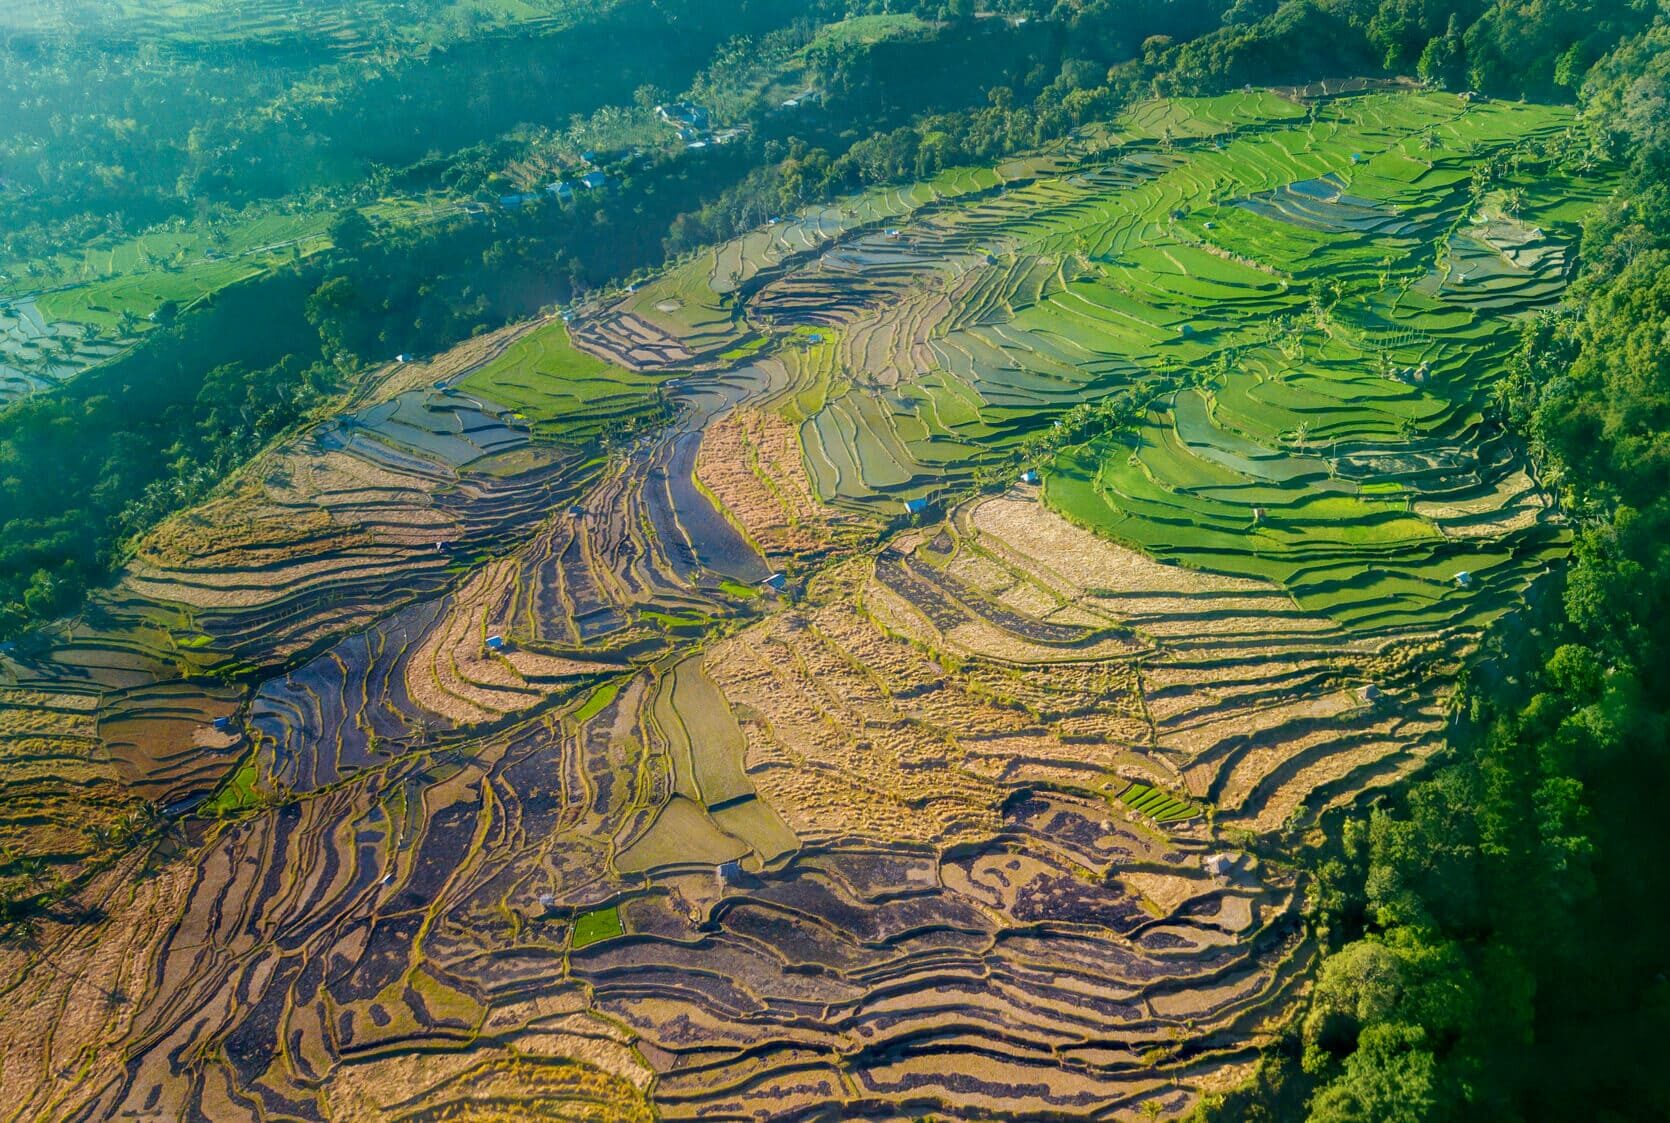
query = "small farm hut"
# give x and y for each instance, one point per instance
(1218, 865)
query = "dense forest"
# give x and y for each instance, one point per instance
(166, 127)
(1496, 934)
(1492, 936)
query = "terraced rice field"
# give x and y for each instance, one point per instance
(334, 27)
(62, 314)
(562, 392)
(686, 712)
(37, 353)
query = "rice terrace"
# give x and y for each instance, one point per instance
(883, 666)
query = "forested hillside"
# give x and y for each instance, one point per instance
(1498, 930)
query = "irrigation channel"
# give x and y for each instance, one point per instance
(705, 542)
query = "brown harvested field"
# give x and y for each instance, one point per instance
(74, 1018)
(453, 674)
(630, 341)
(1256, 704)
(449, 365)
(750, 460)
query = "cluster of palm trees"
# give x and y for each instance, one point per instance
(35, 885)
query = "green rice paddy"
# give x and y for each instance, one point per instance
(115, 285)
(561, 392)
(125, 281)
(1315, 300)
(596, 926)
(238, 793)
(597, 701)
(1157, 804)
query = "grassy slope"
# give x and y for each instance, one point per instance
(564, 393)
